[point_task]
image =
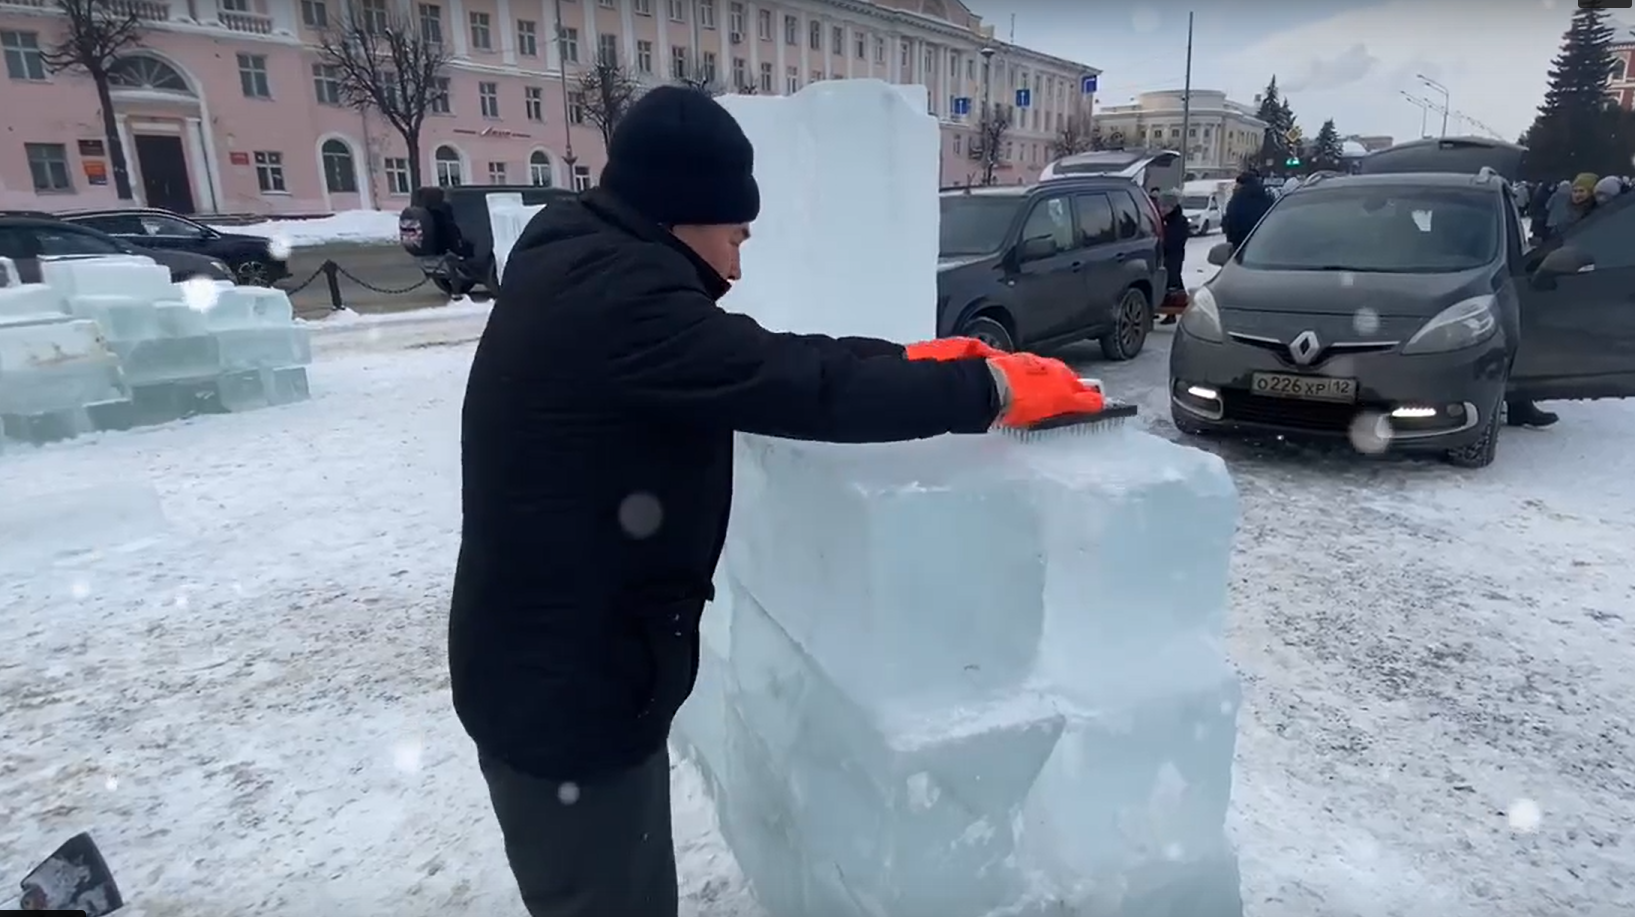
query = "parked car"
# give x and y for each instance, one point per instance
(1060, 261)
(28, 239)
(1149, 169)
(250, 257)
(1203, 212)
(458, 274)
(1405, 307)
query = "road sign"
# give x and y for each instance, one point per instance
(1024, 98)
(1087, 84)
(962, 105)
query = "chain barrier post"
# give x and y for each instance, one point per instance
(332, 274)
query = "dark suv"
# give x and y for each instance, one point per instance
(1061, 261)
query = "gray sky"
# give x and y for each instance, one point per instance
(1349, 60)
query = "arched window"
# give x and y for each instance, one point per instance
(449, 173)
(340, 172)
(539, 169)
(141, 71)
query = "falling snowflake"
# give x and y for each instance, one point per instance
(182, 602)
(79, 589)
(1370, 433)
(568, 793)
(200, 293)
(279, 248)
(406, 756)
(640, 515)
(1173, 852)
(1524, 816)
(112, 783)
(1348, 279)
(1366, 321)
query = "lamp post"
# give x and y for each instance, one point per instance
(1424, 110)
(567, 117)
(984, 123)
(1446, 104)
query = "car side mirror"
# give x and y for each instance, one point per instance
(1220, 253)
(1035, 248)
(1564, 260)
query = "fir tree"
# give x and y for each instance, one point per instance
(1274, 110)
(1327, 151)
(1579, 128)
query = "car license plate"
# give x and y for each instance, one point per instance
(1306, 388)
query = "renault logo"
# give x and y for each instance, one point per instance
(1305, 348)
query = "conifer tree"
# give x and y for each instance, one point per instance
(1579, 128)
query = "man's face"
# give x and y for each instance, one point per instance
(1580, 195)
(717, 245)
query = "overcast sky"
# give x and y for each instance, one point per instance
(1349, 60)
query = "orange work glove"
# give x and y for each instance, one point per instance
(949, 349)
(1041, 388)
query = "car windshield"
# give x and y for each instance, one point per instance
(1195, 202)
(975, 224)
(1397, 230)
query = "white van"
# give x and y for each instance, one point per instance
(1203, 201)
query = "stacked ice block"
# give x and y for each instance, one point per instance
(58, 377)
(966, 676)
(191, 348)
(508, 216)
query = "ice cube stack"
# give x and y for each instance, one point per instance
(964, 676)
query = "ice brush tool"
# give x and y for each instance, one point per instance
(1084, 423)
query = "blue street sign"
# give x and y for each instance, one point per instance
(962, 105)
(1087, 84)
(1024, 98)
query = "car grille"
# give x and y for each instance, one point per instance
(1311, 416)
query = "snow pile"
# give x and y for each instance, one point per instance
(346, 226)
(960, 686)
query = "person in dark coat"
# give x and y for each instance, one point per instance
(597, 480)
(1177, 231)
(449, 238)
(1250, 201)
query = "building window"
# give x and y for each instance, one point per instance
(481, 37)
(449, 173)
(607, 4)
(252, 76)
(269, 172)
(791, 80)
(862, 46)
(235, 6)
(314, 14)
(735, 19)
(879, 50)
(570, 45)
(374, 16)
(791, 31)
(678, 10)
(488, 99)
(431, 23)
(24, 59)
(740, 73)
(340, 173)
(763, 25)
(533, 103)
(837, 40)
(907, 56)
(581, 178)
(706, 13)
(678, 62)
(814, 35)
(766, 77)
(496, 173)
(326, 84)
(527, 38)
(576, 108)
(48, 166)
(438, 104)
(607, 50)
(397, 175)
(817, 77)
(710, 69)
(539, 169)
(644, 56)
(642, 7)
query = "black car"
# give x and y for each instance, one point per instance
(458, 273)
(1052, 263)
(251, 258)
(27, 239)
(1402, 309)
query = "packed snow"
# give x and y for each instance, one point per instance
(347, 226)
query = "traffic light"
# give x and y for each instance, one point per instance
(1292, 162)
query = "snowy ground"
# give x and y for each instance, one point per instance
(1438, 688)
(346, 226)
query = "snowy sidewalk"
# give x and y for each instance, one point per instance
(247, 702)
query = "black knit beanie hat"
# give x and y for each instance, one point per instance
(679, 158)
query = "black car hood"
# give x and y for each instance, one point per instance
(187, 264)
(239, 238)
(1345, 292)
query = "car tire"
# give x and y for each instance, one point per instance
(453, 289)
(988, 330)
(1132, 321)
(1480, 453)
(252, 274)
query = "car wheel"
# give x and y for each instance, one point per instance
(989, 331)
(1131, 323)
(453, 289)
(1480, 453)
(252, 274)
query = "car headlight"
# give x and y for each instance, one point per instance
(1463, 324)
(1202, 318)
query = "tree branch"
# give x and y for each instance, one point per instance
(94, 35)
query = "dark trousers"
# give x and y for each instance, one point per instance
(1172, 265)
(596, 849)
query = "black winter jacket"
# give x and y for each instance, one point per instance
(1177, 230)
(597, 468)
(1248, 204)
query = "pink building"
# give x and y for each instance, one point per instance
(1622, 84)
(226, 107)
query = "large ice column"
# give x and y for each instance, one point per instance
(965, 676)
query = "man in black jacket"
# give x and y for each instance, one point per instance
(597, 466)
(1250, 201)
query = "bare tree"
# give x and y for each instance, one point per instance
(95, 33)
(1076, 136)
(1097, 141)
(608, 91)
(384, 63)
(991, 130)
(703, 78)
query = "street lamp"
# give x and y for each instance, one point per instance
(567, 119)
(984, 124)
(1446, 104)
(1423, 106)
